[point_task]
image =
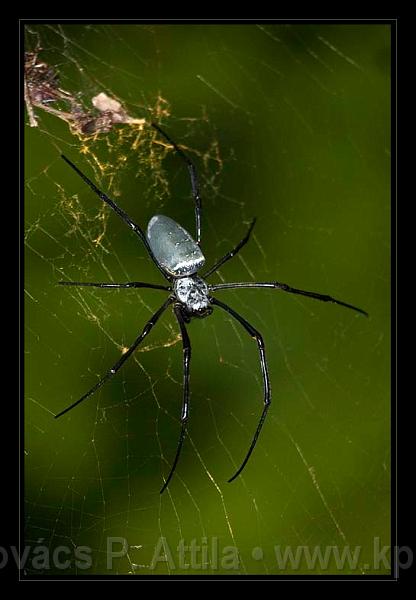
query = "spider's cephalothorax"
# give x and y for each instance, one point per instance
(193, 295)
(179, 258)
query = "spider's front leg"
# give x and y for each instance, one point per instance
(186, 345)
(112, 286)
(264, 371)
(277, 285)
(111, 372)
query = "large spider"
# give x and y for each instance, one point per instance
(179, 258)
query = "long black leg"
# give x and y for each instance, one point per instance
(264, 371)
(286, 288)
(121, 213)
(152, 321)
(185, 403)
(233, 252)
(129, 284)
(194, 181)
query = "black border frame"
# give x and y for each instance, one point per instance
(15, 511)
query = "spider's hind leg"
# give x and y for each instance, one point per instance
(194, 181)
(232, 252)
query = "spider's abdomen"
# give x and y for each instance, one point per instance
(173, 247)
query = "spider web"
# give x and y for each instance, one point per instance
(289, 123)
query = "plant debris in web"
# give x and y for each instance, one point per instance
(42, 91)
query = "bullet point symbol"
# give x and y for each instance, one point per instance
(257, 553)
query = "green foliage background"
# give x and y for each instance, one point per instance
(300, 116)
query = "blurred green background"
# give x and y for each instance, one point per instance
(289, 123)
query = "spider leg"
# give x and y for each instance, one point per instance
(151, 322)
(194, 181)
(264, 371)
(121, 213)
(286, 288)
(129, 284)
(186, 343)
(232, 252)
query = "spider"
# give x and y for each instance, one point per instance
(179, 258)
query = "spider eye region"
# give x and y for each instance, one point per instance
(173, 247)
(192, 293)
